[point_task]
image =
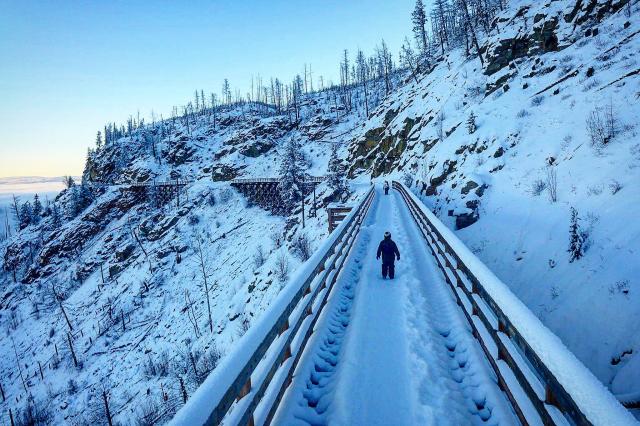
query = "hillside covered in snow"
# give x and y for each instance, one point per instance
(115, 297)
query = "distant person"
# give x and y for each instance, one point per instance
(389, 252)
(386, 187)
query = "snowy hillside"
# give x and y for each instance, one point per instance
(531, 137)
(115, 299)
(109, 292)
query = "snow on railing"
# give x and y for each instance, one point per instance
(543, 380)
(308, 180)
(252, 379)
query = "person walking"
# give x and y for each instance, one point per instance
(389, 252)
(386, 187)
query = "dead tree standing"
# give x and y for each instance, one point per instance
(203, 268)
(73, 353)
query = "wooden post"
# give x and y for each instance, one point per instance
(102, 274)
(284, 328)
(245, 390)
(41, 374)
(2, 393)
(73, 354)
(287, 354)
(123, 326)
(11, 417)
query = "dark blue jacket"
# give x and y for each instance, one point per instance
(388, 250)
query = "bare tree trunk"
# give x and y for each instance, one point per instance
(15, 351)
(64, 313)
(106, 408)
(73, 353)
(184, 390)
(203, 269)
(474, 39)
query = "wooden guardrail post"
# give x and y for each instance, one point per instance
(244, 391)
(284, 328)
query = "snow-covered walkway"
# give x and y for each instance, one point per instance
(392, 352)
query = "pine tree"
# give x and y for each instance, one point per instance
(292, 174)
(37, 209)
(576, 240)
(98, 140)
(419, 20)
(56, 220)
(336, 174)
(26, 215)
(471, 123)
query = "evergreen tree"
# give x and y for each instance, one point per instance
(292, 174)
(576, 240)
(98, 140)
(471, 123)
(26, 215)
(336, 174)
(37, 209)
(56, 220)
(419, 20)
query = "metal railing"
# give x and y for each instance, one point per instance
(544, 382)
(269, 352)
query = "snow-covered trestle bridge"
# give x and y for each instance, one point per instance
(265, 192)
(444, 343)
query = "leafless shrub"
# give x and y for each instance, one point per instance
(282, 266)
(602, 126)
(523, 113)
(615, 187)
(158, 367)
(552, 184)
(302, 247)
(620, 287)
(537, 187)
(475, 91)
(591, 84)
(72, 387)
(537, 100)
(258, 257)
(211, 199)
(34, 413)
(196, 364)
(277, 238)
(566, 59)
(595, 190)
(148, 414)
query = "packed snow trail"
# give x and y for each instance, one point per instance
(392, 352)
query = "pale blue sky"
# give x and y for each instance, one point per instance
(67, 67)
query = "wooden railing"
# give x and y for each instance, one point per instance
(308, 180)
(254, 378)
(542, 379)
